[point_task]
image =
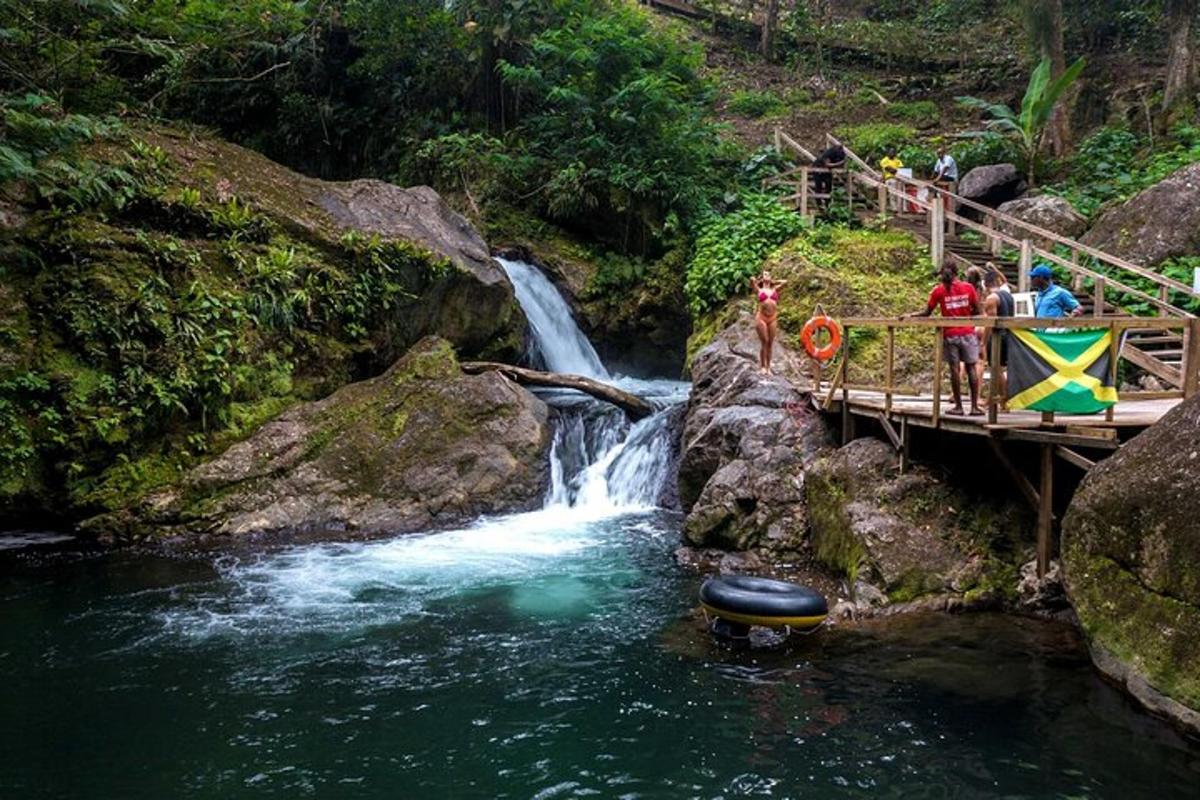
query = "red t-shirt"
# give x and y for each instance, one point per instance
(958, 301)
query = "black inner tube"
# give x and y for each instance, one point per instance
(762, 597)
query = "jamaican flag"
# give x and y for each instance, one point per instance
(1065, 371)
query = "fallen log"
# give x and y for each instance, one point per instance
(631, 404)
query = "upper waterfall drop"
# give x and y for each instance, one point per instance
(562, 345)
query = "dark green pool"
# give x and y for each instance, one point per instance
(536, 657)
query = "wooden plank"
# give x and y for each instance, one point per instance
(1053, 437)
(1071, 457)
(1151, 364)
(1023, 323)
(888, 429)
(890, 377)
(1098, 296)
(1023, 485)
(1191, 359)
(1024, 266)
(938, 356)
(905, 444)
(847, 422)
(1045, 522)
(993, 401)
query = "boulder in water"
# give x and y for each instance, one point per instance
(1156, 224)
(1130, 547)
(746, 440)
(902, 537)
(421, 446)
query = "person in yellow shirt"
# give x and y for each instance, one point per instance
(889, 165)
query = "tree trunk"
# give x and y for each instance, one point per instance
(766, 45)
(1181, 52)
(1045, 22)
(634, 406)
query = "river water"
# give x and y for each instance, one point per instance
(541, 655)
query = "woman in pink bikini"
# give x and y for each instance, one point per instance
(766, 321)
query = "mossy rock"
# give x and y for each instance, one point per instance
(1129, 547)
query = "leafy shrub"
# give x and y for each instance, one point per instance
(921, 113)
(977, 151)
(755, 104)
(730, 248)
(1114, 164)
(872, 140)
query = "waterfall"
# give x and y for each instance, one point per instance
(560, 343)
(599, 462)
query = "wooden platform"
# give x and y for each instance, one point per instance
(1094, 431)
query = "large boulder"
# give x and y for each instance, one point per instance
(1156, 224)
(1131, 552)
(992, 184)
(746, 440)
(421, 446)
(1055, 214)
(473, 305)
(899, 537)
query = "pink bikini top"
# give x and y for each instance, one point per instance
(764, 296)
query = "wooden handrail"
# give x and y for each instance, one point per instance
(1022, 323)
(1037, 231)
(783, 138)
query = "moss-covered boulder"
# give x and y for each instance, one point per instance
(900, 537)
(421, 446)
(1131, 553)
(1156, 224)
(163, 293)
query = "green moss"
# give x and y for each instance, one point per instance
(834, 541)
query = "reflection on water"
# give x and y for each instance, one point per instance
(545, 655)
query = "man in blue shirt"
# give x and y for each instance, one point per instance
(1052, 301)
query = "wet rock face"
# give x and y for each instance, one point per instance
(421, 446)
(899, 537)
(746, 440)
(1131, 556)
(1045, 211)
(1156, 224)
(992, 184)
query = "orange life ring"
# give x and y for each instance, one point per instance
(835, 337)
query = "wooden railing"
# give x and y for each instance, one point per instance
(1189, 328)
(997, 230)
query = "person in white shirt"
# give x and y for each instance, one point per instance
(945, 169)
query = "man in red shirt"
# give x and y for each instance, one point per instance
(960, 344)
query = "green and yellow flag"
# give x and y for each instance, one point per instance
(1063, 371)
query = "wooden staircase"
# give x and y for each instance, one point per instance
(1156, 351)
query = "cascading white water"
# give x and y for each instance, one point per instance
(561, 344)
(598, 461)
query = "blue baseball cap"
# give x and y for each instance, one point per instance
(1042, 271)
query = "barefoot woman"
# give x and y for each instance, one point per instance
(767, 319)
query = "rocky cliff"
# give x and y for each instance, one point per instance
(421, 446)
(1131, 553)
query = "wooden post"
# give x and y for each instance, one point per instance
(948, 205)
(849, 190)
(1114, 355)
(1077, 278)
(1165, 297)
(883, 199)
(938, 355)
(891, 370)
(994, 380)
(1191, 358)
(778, 141)
(1045, 521)
(804, 192)
(937, 232)
(1047, 419)
(905, 445)
(1098, 297)
(847, 423)
(997, 244)
(1026, 265)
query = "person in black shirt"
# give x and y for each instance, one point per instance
(833, 157)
